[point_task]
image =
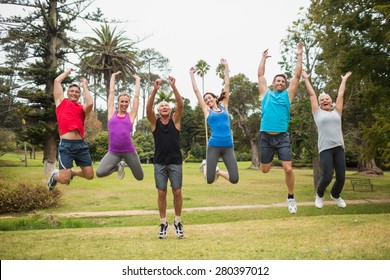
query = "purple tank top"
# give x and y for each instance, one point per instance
(119, 134)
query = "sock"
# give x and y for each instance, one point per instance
(177, 219)
(163, 221)
(290, 196)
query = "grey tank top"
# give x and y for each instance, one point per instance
(330, 134)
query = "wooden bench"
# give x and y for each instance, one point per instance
(362, 183)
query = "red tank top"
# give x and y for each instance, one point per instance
(70, 116)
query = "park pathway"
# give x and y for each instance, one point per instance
(216, 208)
(155, 212)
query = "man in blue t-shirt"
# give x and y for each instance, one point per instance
(274, 136)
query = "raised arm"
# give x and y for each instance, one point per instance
(312, 93)
(202, 104)
(88, 100)
(58, 93)
(111, 95)
(225, 101)
(179, 103)
(150, 114)
(294, 83)
(340, 94)
(135, 106)
(262, 83)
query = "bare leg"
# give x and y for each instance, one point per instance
(289, 176)
(162, 203)
(177, 201)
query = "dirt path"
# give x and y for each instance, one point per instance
(155, 212)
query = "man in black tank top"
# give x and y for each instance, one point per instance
(167, 155)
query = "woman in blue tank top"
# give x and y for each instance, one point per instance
(220, 144)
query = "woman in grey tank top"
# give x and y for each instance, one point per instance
(327, 117)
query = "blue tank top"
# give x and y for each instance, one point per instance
(219, 123)
(275, 111)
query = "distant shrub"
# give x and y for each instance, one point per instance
(24, 196)
(243, 156)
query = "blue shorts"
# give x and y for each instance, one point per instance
(73, 150)
(271, 143)
(173, 172)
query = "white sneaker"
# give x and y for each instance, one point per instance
(292, 206)
(216, 174)
(319, 203)
(201, 165)
(339, 201)
(121, 170)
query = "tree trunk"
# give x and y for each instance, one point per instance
(49, 154)
(255, 154)
(25, 154)
(368, 167)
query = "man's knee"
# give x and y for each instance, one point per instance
(265, 168)
(288, 170)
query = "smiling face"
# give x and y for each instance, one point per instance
(73, 93)
(123, 102)
(279, 83)
(210, 99)
(325, 102)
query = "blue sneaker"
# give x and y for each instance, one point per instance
(52, 182)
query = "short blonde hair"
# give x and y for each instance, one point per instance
(322, 95)
(327, 95)
(123, 94)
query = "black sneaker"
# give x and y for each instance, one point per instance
(163, 231)
(179, 229)
(52, 182)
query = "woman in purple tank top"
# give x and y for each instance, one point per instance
(121, 149)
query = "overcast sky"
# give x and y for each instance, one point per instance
(187, 31)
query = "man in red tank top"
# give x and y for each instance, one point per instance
(72, 147)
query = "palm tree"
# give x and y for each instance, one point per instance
(201, 69)
(109, 52)
(164, 96)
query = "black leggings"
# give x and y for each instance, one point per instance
(329, 159)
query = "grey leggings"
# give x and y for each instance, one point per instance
(227, 154)
(330, 158)
(109, 164)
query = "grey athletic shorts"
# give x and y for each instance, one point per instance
(173, 172)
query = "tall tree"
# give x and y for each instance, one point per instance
(44, 27)
(244, 107)
(151, 61)
(355, 35)
(110, 51)
(202, 67)
(187, 127)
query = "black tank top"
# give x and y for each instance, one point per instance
(167, 144)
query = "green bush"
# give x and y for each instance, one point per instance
(24, 196)
(243, 156)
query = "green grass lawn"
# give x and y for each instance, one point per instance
(358, 232)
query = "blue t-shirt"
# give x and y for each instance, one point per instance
(219, 123)
(275, 111)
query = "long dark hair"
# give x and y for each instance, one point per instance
(219, 98)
